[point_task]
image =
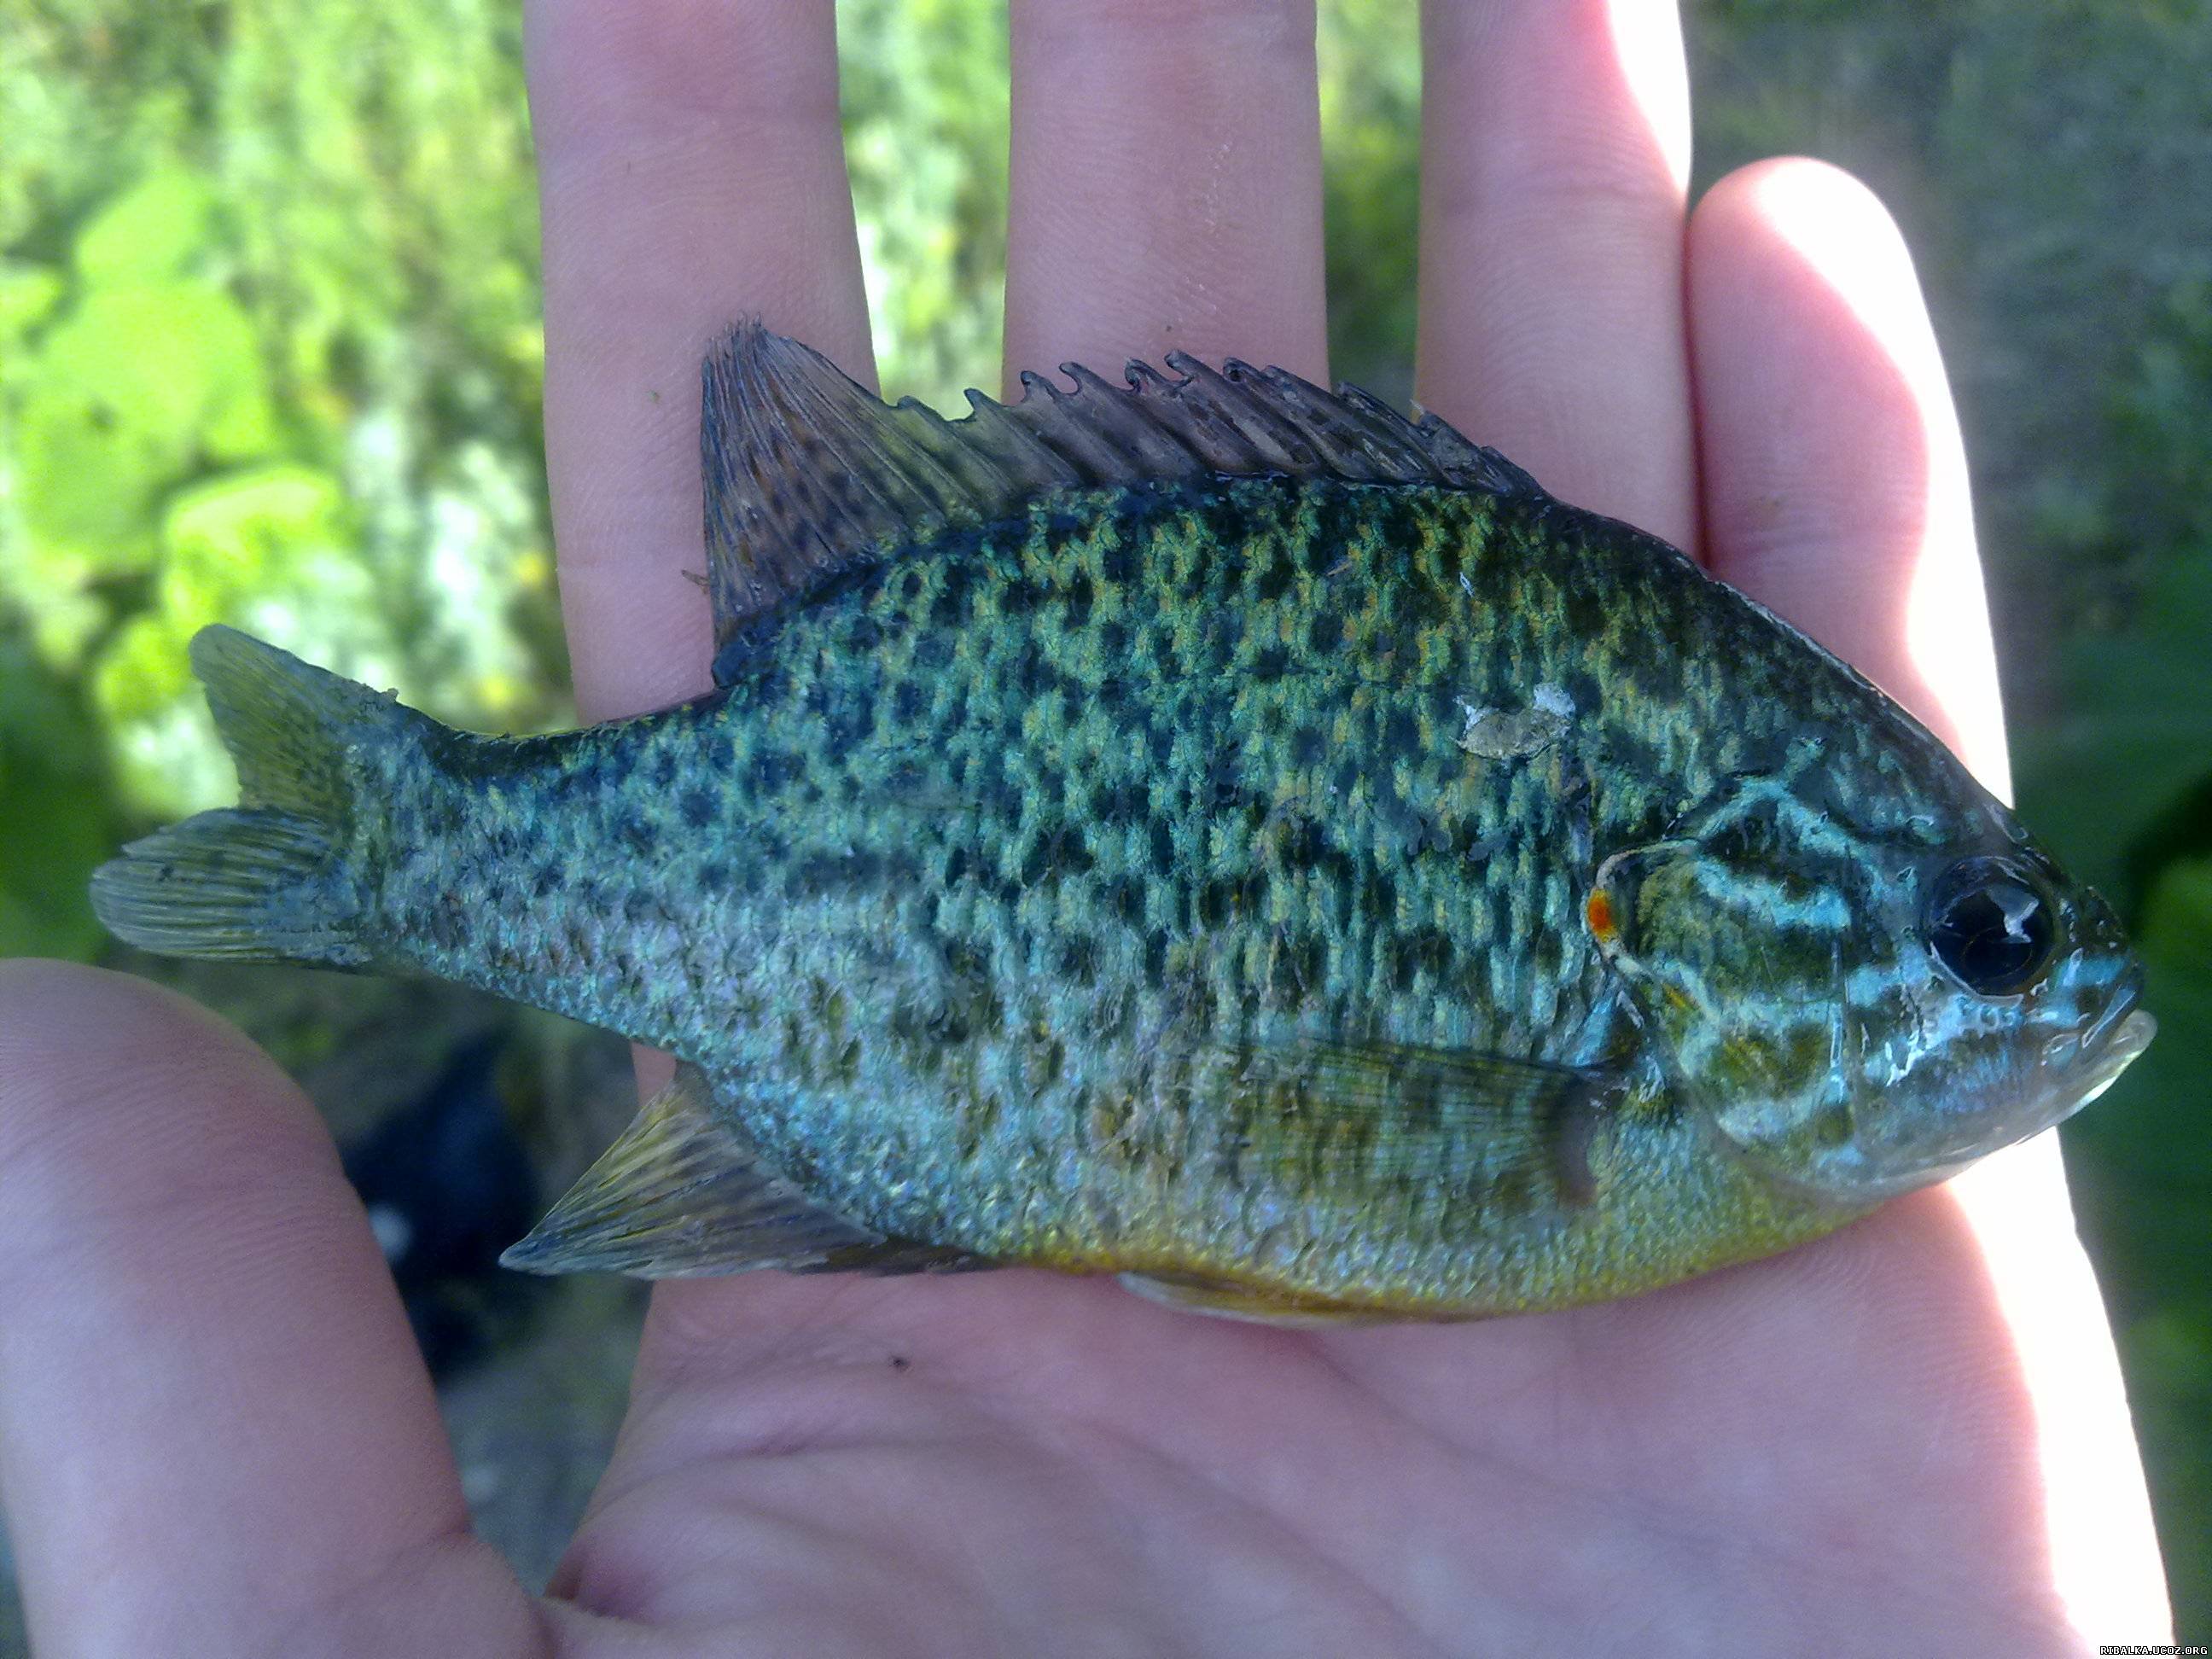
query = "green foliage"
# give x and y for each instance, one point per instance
(272, 357)
(2122, 784)
(924, 96)
(2162, 419)
(1370, 111)
(57, 822)
(2135, 739)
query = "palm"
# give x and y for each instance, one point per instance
(215, 1434)
(979, 1465)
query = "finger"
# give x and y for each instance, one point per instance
(1836, 491)
(1555, 148)
(691, 169)
(215, 1429)
(1835, 480)
(1165, 184)
(2102, 1547)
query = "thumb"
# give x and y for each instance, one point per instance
(216, 1434)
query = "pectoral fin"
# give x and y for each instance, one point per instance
(1370, 1128)
(683, 1194)
(1488, 1128)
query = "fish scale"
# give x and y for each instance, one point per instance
(1352, 885)
(1360, 929)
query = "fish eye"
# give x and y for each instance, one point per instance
(1989, 924)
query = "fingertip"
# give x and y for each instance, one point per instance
(1835, 484)
(76, 1045)
(1793, 231)
(1812, 381)
(1810, 202)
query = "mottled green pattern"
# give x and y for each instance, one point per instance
(962, 892)
(1345, 897)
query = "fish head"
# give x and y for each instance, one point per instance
(1855, 1015)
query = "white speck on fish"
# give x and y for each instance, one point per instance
(1516, 734)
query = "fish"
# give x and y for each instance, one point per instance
(1209, 830)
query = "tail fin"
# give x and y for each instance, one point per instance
(267, 881)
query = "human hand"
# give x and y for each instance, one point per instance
(215, 1436)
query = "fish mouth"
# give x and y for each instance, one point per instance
(2119, 1033)
(2107, 1048)
(2122, 1032)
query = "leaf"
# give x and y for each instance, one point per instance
(228, 532)
(125, 393)
(2168, 1354)
(2176, 932)
(272, 549)
(57, 825)
(28, 292)
(2138, 737)
(2136, 1134)
(150, 232)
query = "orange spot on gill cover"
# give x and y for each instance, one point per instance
(1600, 913)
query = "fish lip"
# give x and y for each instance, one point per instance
(2125, 1034)
(2125, 995)
(2109, 1046)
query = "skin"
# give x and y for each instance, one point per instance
(215, 1435)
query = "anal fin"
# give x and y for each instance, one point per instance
(683, 1194)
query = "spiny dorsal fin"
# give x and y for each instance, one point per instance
(806, 471)
(682, 1194)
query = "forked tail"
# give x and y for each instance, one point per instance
(270, 880)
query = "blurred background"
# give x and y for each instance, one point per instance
(270, 355)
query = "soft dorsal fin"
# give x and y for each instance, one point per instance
(682, 1192)
(806, 471)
